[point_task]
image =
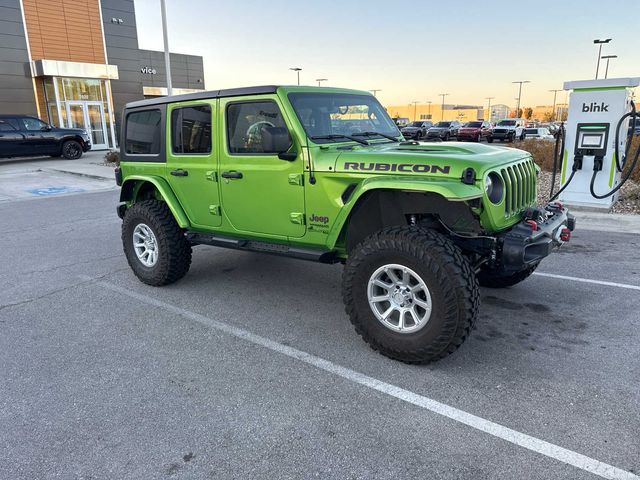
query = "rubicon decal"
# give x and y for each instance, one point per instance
(396, 167)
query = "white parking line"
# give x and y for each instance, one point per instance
(588, 280)
(512, 436)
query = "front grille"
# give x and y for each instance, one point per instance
(520, 186)
(500, 130)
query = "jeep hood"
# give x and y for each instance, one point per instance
(443, 160)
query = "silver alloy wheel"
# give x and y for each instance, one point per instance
(399, 298)
(145, 245)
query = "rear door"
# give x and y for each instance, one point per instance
(192, 160)
(39, 140)
(11, 140)
(261, 193)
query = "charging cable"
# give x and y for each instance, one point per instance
(620, 165)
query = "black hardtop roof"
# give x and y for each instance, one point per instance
(229, 92)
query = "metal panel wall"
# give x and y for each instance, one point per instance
(16, 86)
(187, 71)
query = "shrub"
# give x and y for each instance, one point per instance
(112, 156)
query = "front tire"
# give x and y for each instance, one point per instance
(71, 150)
(498, 279)
(155, 246)
(417, 270)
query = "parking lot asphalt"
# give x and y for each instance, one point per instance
(249, 368)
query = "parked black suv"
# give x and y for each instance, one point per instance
(22, 136)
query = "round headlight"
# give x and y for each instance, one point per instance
(494, 187)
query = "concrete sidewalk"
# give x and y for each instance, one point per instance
(89, 165)
(27, 178)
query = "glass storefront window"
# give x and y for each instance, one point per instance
(81, 103)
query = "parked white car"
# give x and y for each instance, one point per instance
(539, 133)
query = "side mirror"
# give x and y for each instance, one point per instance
(46, 128)
(277, 140)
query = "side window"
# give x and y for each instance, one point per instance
(191, 130)
(249, 123)
(33, 123)
(5, 127)
(142, 135)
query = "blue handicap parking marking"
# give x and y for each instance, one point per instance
(41, 192)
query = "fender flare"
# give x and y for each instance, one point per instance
(454, 191)
(132, 184)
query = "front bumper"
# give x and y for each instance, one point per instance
(542, 230)
(471, 135)
(502, 135)
(439, 134)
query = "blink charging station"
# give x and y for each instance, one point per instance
(594, 144)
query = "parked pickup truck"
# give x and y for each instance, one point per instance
(508, 130)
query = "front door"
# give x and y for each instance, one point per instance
(261, 193)
(192, 161)
(89, 116)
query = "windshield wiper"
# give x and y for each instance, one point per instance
(372, 134)
(336, 136)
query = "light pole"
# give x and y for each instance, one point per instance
(375, 91)
(415, 106)
(520, 94)
(297, 70)
(442, 95)
(320, 80)
(489, 107)
(553, 110)
(608, 57)
(600, 43)
(429, 102)
(167, 60)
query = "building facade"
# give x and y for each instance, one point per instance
(76, 63)
(436, 113)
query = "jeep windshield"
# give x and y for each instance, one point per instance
(442, 124)
(335, 117)
(506, 123)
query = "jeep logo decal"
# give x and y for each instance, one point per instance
(393, 167)
(318, 218)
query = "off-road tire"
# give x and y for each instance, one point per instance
(493, 279)
(489, 140)
(71, 150)
(446, 272)
(174, 250)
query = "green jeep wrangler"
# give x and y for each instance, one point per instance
(324, 174)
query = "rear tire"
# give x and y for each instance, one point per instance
(170, 256)
(71, 150)
(421, 257)
(497, 279)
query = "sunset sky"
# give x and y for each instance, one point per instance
(410, 50)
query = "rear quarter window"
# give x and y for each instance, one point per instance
(143, 132)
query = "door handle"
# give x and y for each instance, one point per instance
(232, 174)
(179, 173)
